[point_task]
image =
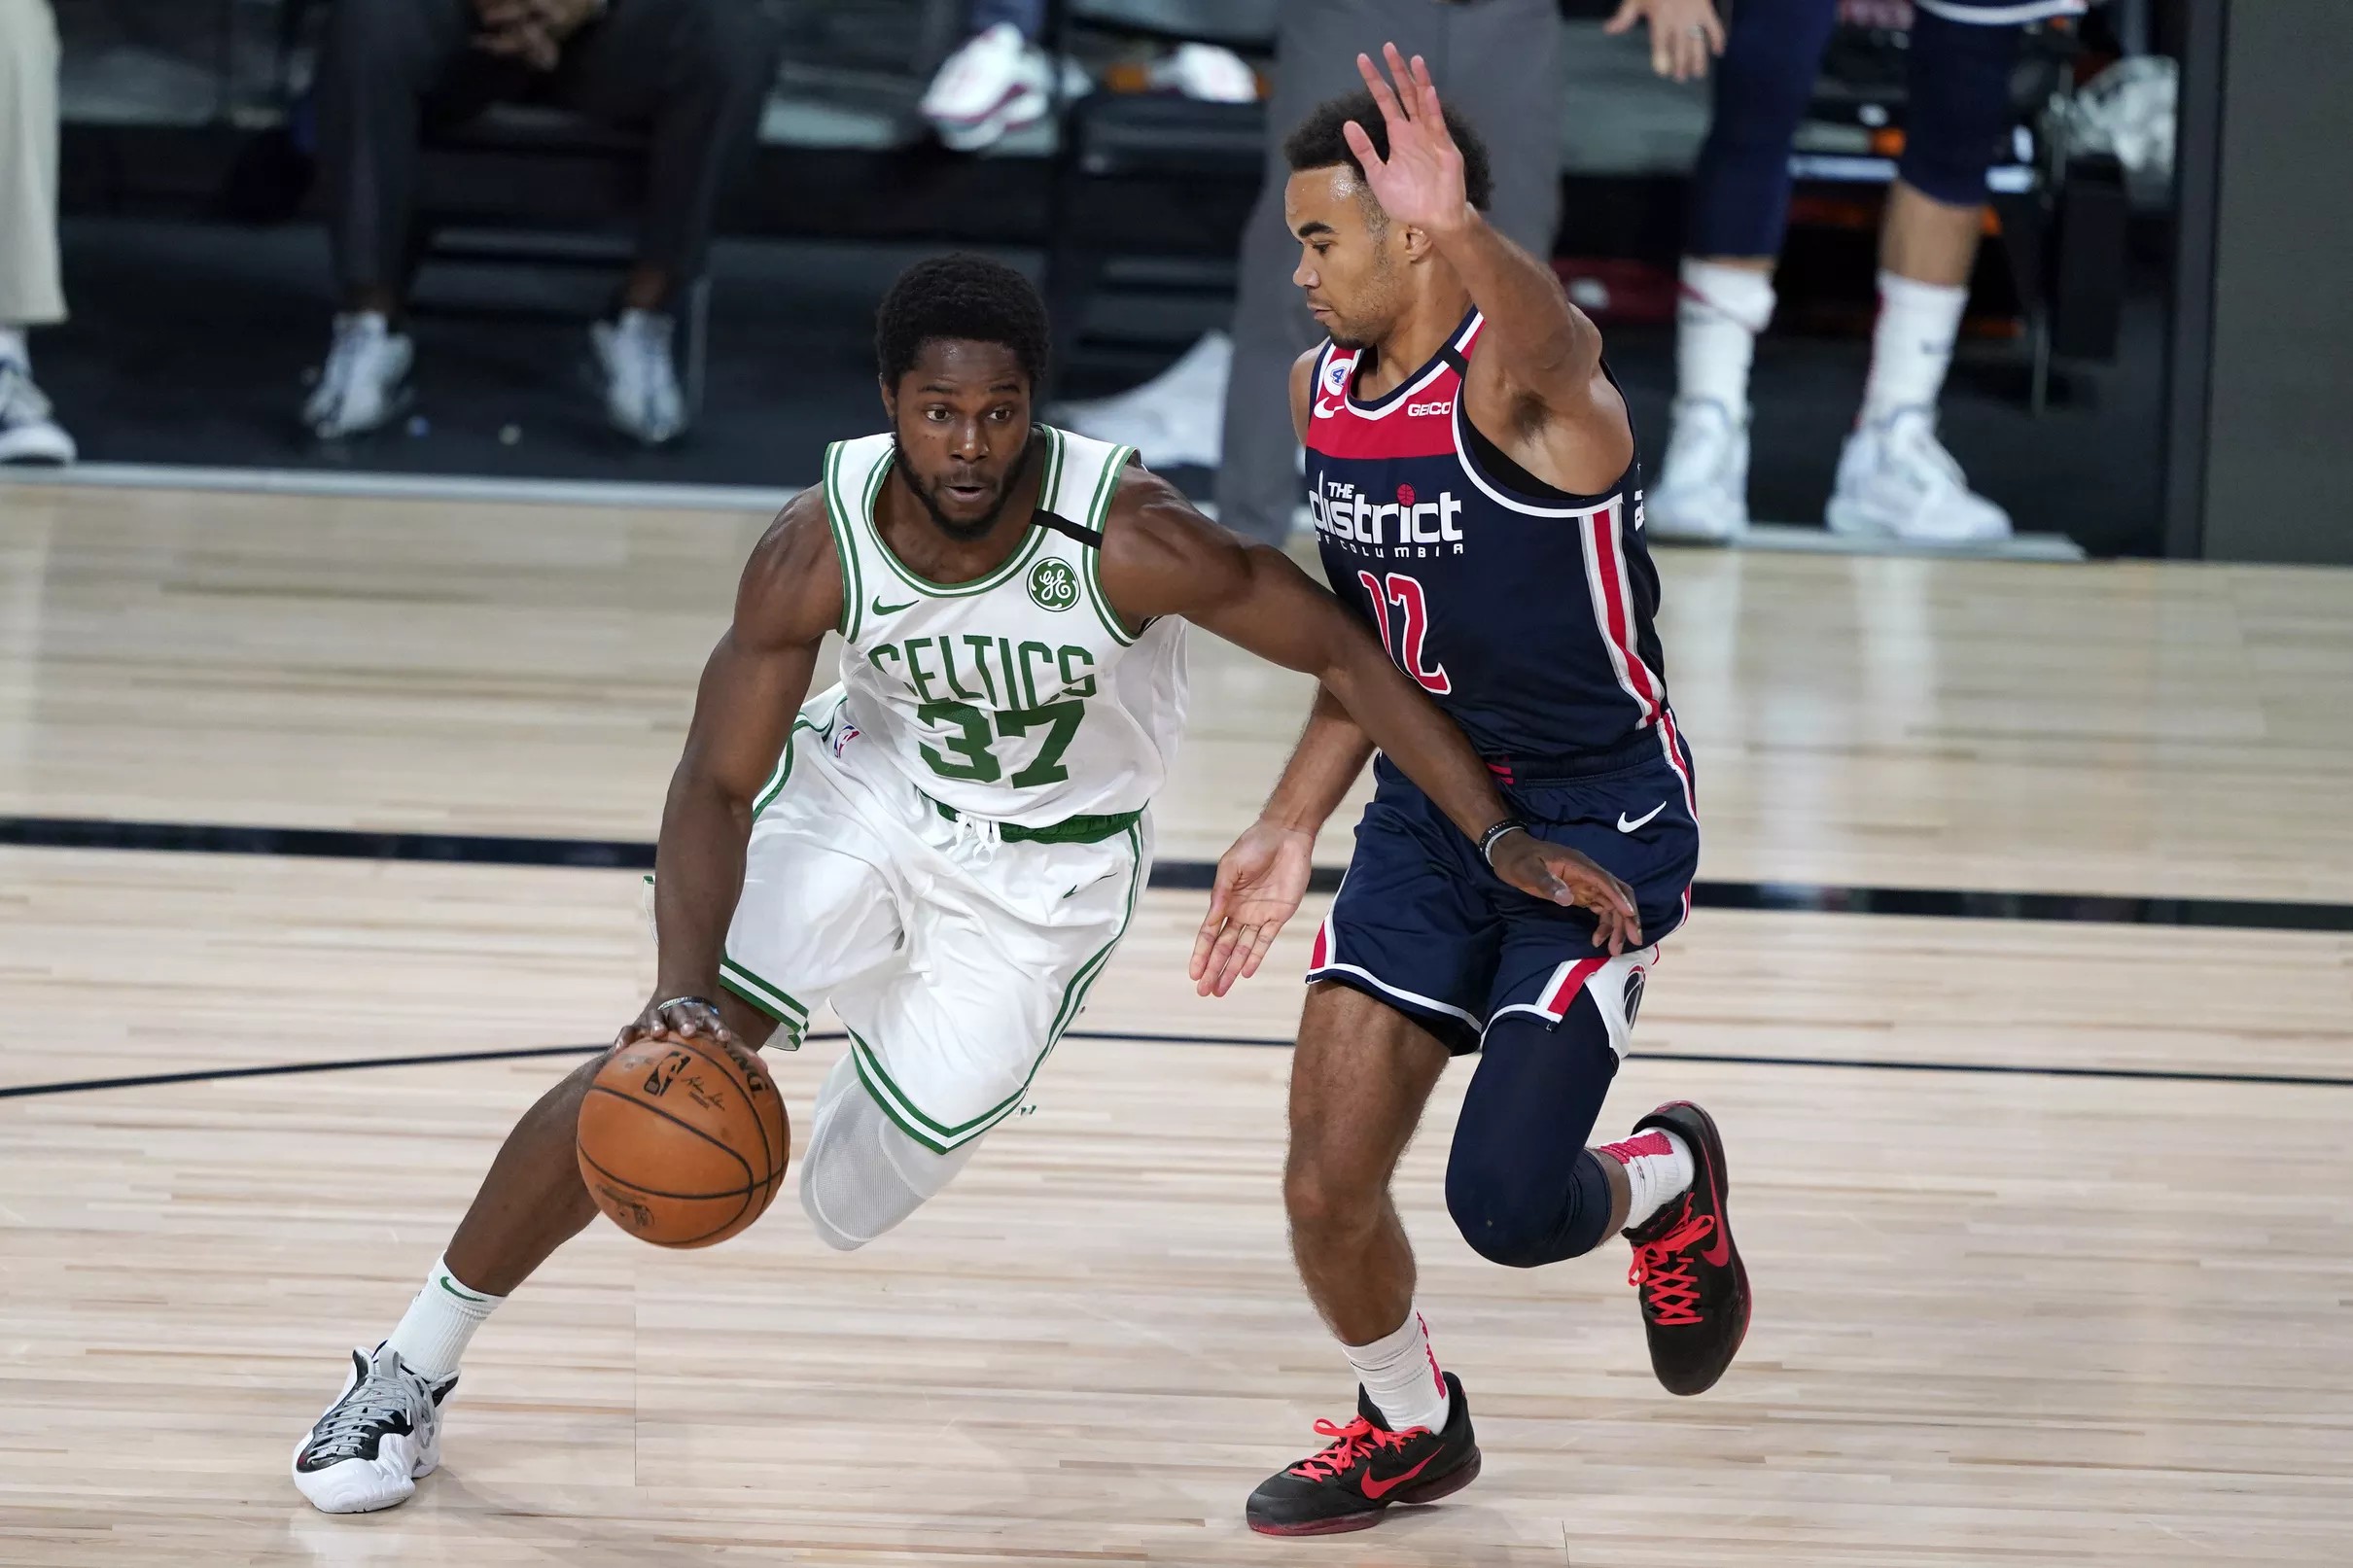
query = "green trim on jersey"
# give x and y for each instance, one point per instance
(845, 545)
(1005, 568)
(783, 764)
(1076, 997)
(1098, 518)
(772, 1000)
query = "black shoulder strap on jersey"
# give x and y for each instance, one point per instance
(1455, 361)
(1062, 525)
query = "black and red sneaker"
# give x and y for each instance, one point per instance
(1366, 1468)
(1695, 1291)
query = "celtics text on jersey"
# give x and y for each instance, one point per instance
(1021, 696)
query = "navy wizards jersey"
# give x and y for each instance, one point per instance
(1525, 612)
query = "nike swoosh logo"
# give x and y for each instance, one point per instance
(1624, 826)
(1720, 1254)
(1374, 1490)
(880, 608)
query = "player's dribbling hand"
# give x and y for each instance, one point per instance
(1260, 882)
(1419, 184)
(1560, 875)
(1683, 33)
(686, 1016)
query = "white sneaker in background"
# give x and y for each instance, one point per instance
(1177, 418)
(364, 383)
(1896, 480)
(382, 1432)
(30, 432)
(1205, 72)
(1701, 495)
(642, 395)
(997, 82)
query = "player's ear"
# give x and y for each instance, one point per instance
(1419, 246)
(889, 397)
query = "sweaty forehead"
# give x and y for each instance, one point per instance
(1333, 197)
(965, 364)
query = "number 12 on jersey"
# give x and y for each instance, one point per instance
(1406, 633)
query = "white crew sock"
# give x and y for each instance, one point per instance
(1400, 1371)
(1659, 1169)
(1911, 347)
(433, 1331)
(13, 349)
(1721, 312)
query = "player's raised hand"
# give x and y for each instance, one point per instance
(1560, 875)
(1420, 183)
(1260, 882)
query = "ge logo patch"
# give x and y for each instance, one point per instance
(1335, 375)
(1053, 585)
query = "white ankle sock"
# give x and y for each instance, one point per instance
(433, 1331)
(13, 349)
(1658, 1169)
(1911, 347)
(1400, 1371)
(1722, 310)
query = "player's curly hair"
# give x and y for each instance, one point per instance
(959, 296)
(1317, 143)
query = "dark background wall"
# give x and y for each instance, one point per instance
(2278, 482)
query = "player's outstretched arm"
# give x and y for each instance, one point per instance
(1537, 347)
(751, 690)
(1264, 874)
(1160, 557)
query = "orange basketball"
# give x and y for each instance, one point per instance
(682, 1141)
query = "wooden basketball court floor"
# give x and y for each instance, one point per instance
(2048, 1216)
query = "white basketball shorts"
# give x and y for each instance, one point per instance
(955, 958)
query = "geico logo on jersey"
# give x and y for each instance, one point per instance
(1408, 526)
(1416, 409)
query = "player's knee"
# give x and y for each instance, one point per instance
(1323, 1198)
(1960, 87)
(1493, 1217)
(861, 1174)
(1524, 1219)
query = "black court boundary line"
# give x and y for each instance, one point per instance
(624, 855)
(1865, 1065)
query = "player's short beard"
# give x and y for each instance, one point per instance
(962, 533)
(1354, 334)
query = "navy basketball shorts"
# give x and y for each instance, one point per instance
(1422, 924)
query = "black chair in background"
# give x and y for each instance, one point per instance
(1156, 149)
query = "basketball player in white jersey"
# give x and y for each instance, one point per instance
(947, 845)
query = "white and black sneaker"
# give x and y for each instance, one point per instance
(364, 385)
(381, 1433)
(639, 377)
(30, 432)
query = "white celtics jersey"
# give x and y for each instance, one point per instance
(1019, 697)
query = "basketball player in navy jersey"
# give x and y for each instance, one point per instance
(1473, 478)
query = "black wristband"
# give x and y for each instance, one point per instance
(1487, 840)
